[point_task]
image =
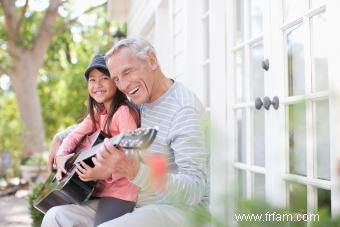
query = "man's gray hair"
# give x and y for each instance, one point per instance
(139, 46)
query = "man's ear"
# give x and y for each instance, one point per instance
(152, 60)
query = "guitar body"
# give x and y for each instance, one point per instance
(72, 190)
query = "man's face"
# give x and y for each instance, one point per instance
(133, 76)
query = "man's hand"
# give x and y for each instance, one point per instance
(113, 159)
(87, 173)
(55, 144)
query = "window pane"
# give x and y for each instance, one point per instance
(296, 61)
(241, 183)
(316, 3)
(258, 138)
(205, 4)
(206, 84)
(257, 8)
(297, 197)
(256, 71)
(239, 76)
(259, 186)
(239, 20)
(319, 52)
(293, 8)
(178, 22)
(324, 200)
(322, 139)
(205, 40)
(178, 4)
(179, 42)
(297, 139)
(241, 135)
(179, 64)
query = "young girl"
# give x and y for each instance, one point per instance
(109, 111)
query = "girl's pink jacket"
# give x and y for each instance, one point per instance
(122, 122)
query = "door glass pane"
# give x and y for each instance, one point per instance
(295, 61)
(257, 8)
(316, 3)
(324, 200)
(178, 22)
(206, 35)
(297, 139)
(322, 139)
(241, 135)
(294, 9)
(241, 183)
(179, 42)
(256, 71)
(239, 20)
(258, 138)
(297, 197)
(179, 64)
(205, 4)
(319, 52)
(178, 4)
(239, 76)
(206, 78)
(259, 186)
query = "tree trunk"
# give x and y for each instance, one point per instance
(24, 80)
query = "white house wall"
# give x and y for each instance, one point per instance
(175, 28)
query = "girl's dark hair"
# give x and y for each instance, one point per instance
(118, 100)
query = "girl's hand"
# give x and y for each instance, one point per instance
(87, 173)
(60, 162)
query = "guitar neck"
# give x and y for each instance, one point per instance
(93, 150)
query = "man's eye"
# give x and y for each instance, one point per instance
(115, 79)
(126, 72)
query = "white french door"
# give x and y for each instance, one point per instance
(283, 148)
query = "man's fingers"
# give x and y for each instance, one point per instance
(95, 161)
(84, 165)
(81, 175)
(109, 146)
(80, 168)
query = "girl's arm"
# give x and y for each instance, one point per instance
(123, 120)
(75, 137)
(55, 144)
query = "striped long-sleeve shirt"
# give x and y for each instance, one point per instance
(178, 114)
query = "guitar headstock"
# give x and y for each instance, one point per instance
(137, 139)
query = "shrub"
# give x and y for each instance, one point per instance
(36, 215)
(34, 160)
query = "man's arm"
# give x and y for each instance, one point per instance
(189, 184)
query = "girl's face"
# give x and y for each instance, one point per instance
(101, 88)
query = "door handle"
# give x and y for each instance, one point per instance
(267, 102)
(258, 103)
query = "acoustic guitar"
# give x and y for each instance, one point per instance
(70, 189)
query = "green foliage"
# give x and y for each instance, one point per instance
(34, 160)
(36, 215)
(61, 87)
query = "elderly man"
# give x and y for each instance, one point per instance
(178, 114)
